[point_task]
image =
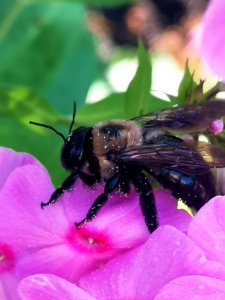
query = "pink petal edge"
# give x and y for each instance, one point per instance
(50, 287)
(193, 287)
(207, 229)
(10, 159)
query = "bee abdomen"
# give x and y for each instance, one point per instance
(194, 190)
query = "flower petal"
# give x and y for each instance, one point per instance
(168, 213)
(8, 286)
(140, 273)
(193, 287)
(10, 159)
(44, 234)
(50, 287)
(21, 214)
(213, 36)
(207, 229)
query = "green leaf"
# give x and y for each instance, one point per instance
(156, 104)
(211, 93)
(192, 92)
(25, 105)
(112, 107)
(187, 87)
(47, 47)
(137, 94)
(19, 105)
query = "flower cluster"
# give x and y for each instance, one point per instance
(43, 255)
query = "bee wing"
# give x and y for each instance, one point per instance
(189, 118)
(188, 157)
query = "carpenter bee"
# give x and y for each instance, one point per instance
(125, 152)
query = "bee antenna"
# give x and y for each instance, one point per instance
(49, 127)
(73, 117)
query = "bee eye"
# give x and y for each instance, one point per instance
(76, 152)
(71, 156)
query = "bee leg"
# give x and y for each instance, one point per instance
(66, 185)
(110, 185)
(146, 196)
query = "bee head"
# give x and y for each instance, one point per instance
(73, 150)
(72, 153)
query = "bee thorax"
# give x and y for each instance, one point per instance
(113, 135)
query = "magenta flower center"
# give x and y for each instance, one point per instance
(85, 239)
(7, 258)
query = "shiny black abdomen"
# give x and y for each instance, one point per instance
(194, 190)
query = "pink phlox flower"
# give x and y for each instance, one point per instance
(46, 241)
(140, 273)
(137, 274)
(207, 230)
(9, 161)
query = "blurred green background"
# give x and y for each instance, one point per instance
(55, 52)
